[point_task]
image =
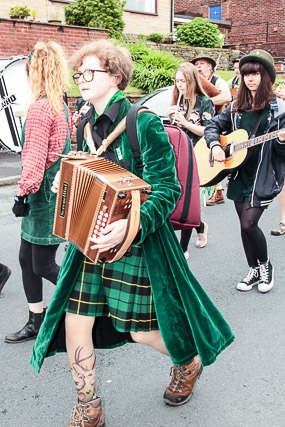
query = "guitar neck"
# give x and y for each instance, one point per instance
(255, 141)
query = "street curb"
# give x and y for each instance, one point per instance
(9, 180)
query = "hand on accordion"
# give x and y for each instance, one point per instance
(55, 184)
(111, 236)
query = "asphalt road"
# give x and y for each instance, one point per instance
(10, 166)
(244, 388)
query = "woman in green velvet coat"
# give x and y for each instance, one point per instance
(150, 297)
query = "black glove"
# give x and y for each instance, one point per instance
(21, 206)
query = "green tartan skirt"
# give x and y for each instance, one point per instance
(120, 290)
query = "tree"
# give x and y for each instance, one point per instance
(200, 33)
(106, 14)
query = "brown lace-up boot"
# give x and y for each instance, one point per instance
(181, 387)
(216, 198)
(88, 414)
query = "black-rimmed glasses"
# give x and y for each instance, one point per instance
(87, 75)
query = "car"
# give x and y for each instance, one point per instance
(158, 101)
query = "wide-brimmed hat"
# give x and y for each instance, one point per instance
(211, 60)
(264, 58)
(237, 59)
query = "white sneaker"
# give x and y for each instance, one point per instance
(251, 279)
(202, 237)
(266, 277)
(186, 254)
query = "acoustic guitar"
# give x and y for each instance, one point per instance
(236, 146)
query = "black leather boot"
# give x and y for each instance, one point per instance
(29, 331)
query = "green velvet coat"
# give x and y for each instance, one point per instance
(189, 322)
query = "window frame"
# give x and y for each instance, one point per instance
(143, 12)
(212, 7)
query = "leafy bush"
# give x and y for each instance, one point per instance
(200, 33)
(98, 13)
(152, 69)
(20, 11)
(138, 51)
(156, 38)
(148, 78)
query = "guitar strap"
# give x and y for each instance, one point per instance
(256, 125)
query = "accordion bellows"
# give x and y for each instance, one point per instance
(93, 192)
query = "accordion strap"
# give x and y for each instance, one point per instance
(89, 139)
(120, 128)
(132, 227)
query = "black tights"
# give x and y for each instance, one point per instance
(253, 239)
(186, 235)
(37, 263)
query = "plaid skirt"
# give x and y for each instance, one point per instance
(120, 290)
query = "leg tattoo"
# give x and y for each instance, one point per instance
(83, 376)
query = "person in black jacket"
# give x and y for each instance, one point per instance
(258, 180)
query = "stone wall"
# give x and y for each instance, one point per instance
(223, 57)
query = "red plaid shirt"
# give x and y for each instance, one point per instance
(45, 133)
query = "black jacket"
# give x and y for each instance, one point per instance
(269, 179)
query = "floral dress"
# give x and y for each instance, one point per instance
(202, 113)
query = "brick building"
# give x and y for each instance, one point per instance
(19, 36)
(247, 25)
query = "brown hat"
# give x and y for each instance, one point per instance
(264, 58)
(211, 60)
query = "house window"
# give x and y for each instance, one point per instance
(143, 6)
(215, 12)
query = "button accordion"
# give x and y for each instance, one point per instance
(94, 192)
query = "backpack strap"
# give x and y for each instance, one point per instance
(214, 79)
(131, 123)
(80, 133)
(132, 134)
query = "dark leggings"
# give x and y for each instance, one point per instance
(37, 263)
(186, 235)
(253, 239)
